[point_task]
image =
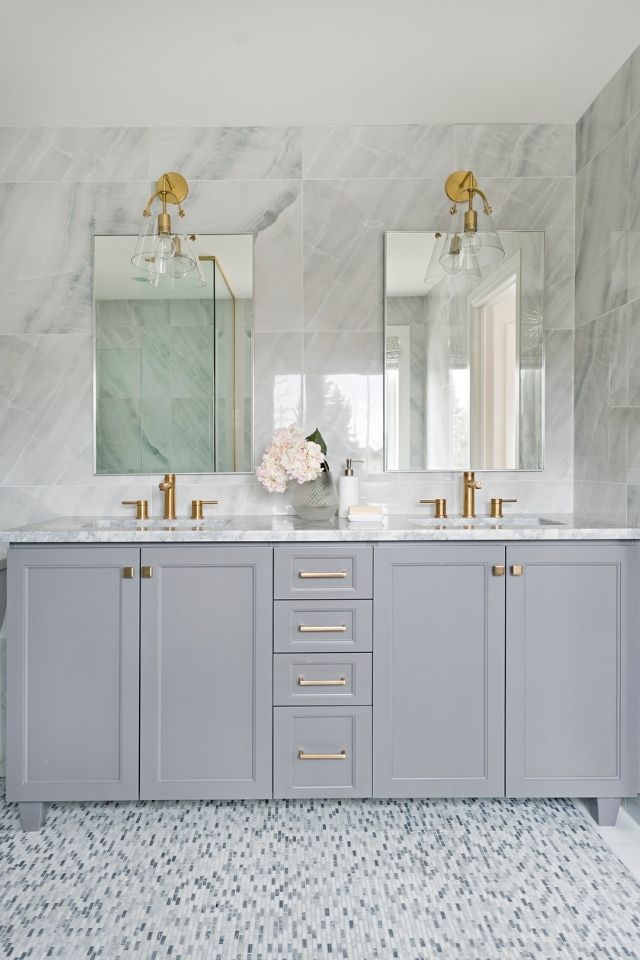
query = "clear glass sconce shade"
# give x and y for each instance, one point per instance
(190, 280)
(490, 250)
(435, 271)
(449, 258)
(164, 254)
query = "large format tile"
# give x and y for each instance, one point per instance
(558, 432)
(226, 153)
(354, 152)
(344, 226)
(592, 353)
(73, 153)
(45, 409)
(634, 82)
(604, 118)
(600, 500)
(515, 149)
(278, 384)
(601, 232)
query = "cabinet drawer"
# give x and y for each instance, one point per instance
(325, 626)
(324, 679)
(322, 752)
(331, 571)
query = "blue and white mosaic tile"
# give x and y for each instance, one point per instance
(355, 880)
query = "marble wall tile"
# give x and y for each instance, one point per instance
(634, 83)
(601, 231)
(531, 203)
(633, 504)
(388, 152)
(45, 409)
(337, 325)
(73, 153)
(226, 153)
(344, 226)
(604, 118)
(560, 279)
(592, 352)
(515, 149)
(598, 500)
(558, 451)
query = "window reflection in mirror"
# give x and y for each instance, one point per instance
(174, 367)
(464, 367)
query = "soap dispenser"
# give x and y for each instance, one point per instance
(349, 489)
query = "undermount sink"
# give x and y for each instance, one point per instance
(466, 522)
(155, 523)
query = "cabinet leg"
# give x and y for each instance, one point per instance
(608, 808)
(32, 815)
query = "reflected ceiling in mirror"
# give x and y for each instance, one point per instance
(464, 359)
(174, 366)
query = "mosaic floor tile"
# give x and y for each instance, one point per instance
(310, 880)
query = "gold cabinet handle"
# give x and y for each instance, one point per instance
(498, 569)
(128, 573)
(323, 575)
(517, 569)
(146, 572)
(339, 628)
(197, 512)
(340, 682)
(142, 508)
(322, 756)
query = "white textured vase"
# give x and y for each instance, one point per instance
(316, 499)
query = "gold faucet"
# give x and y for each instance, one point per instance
(469, 487)
(168, 487)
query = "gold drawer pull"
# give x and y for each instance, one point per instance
(340, 628)
(341, 682)
(322, 756)
(323, 575)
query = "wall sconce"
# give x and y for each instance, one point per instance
(471, 246)
(168, 257)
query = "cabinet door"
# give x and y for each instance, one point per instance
(438, 656)
(206, 672)
(571, 670)
(73, 656)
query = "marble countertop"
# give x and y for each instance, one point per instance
(276, 529)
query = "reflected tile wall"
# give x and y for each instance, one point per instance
(607, 337)
(318, 201)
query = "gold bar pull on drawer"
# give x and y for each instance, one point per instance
(340, 628)
(322, 756)
(340, 682)
(517, 570)
(322, 575)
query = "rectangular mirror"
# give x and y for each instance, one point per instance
(174, 367)
(464, 361)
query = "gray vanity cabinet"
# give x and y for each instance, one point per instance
(73, 661)
(438, 655)
(206, 638)
(571, 670)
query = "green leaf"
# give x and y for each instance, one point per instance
(316, 437)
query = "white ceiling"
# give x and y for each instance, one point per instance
(245, 62)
